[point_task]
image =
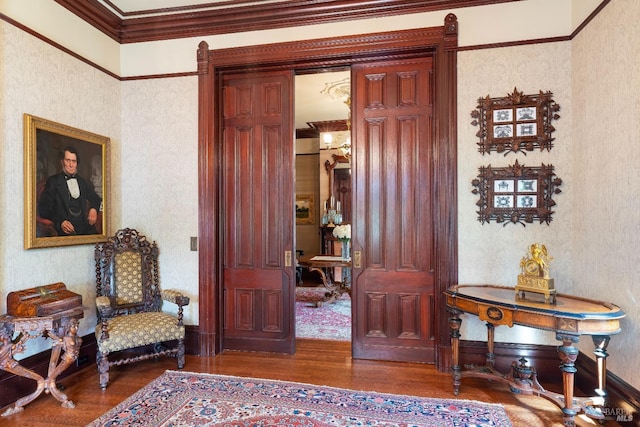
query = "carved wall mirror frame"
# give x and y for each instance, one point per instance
(516, 194)
(516, 122)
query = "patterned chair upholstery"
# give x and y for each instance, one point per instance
(131, 324)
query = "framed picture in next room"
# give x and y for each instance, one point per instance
(304, 209)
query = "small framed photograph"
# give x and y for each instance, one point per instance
(525, 113)
(527, 186)
(526, 202)
(503, 186)
(526, 129)
(503, 201)
(502, 131)
(503, 115)
(66, 191)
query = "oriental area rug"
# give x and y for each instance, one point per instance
(326, 322)
(180, 399)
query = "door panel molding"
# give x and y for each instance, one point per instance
(439, 42)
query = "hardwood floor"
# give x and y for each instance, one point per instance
(316, 362)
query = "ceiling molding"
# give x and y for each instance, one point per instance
(314, 129)
(249, 18)
(94, 13)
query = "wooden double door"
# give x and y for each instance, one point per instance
(393, 285)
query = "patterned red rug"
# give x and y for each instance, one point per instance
(327, 322)
(181, 399)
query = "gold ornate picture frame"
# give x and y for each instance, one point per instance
(516, 194)
(44, 145)
(305, 213)
(515, 123)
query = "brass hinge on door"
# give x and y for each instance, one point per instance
(287, 258)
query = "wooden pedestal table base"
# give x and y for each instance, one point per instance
(324, 265)
(62, 329)
(569, 318)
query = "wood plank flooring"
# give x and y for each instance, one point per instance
(316, 362)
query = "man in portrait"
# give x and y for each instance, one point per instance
(68, 200)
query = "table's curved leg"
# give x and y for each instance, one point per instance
(568, 355)
(333, 292)
(70, 342)
(8, 348)
(454, 324)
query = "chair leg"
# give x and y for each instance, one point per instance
(103, 369)
(180, 354)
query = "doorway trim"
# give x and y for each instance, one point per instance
(439, 42)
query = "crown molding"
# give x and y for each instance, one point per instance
(198, 23)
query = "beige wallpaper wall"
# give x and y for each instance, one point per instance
(594, 234)
(159, 178)
(491, 252)
(605, 211)
(43, 81)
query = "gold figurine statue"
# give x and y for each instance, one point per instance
(534, 276)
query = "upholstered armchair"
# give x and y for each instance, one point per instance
(131, 324)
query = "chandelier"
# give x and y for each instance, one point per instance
(340, 90)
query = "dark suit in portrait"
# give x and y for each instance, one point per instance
(70, 201)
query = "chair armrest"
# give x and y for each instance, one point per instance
(175, 297)
(103, 304)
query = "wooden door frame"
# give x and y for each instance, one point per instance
(439, 42)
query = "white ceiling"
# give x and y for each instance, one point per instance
(314, 106)
(133, 8)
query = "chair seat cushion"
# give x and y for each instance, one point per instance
(135, 330)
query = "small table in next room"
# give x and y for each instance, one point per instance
(569, 318)
(325, 266)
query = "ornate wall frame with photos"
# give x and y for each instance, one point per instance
(44, 143)
(516, 122)
(305, 212)
(516, 194)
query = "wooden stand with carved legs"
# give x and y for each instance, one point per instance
(522, 378)
(496, 306)
(62, 329)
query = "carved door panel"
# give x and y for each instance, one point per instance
(393, 285)
(257, 203)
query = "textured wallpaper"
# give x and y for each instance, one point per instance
(159, 176)
(43, 81)
(491, 252)
(605, 214)
(593, 237)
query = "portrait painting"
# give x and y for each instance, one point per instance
(66, 191)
